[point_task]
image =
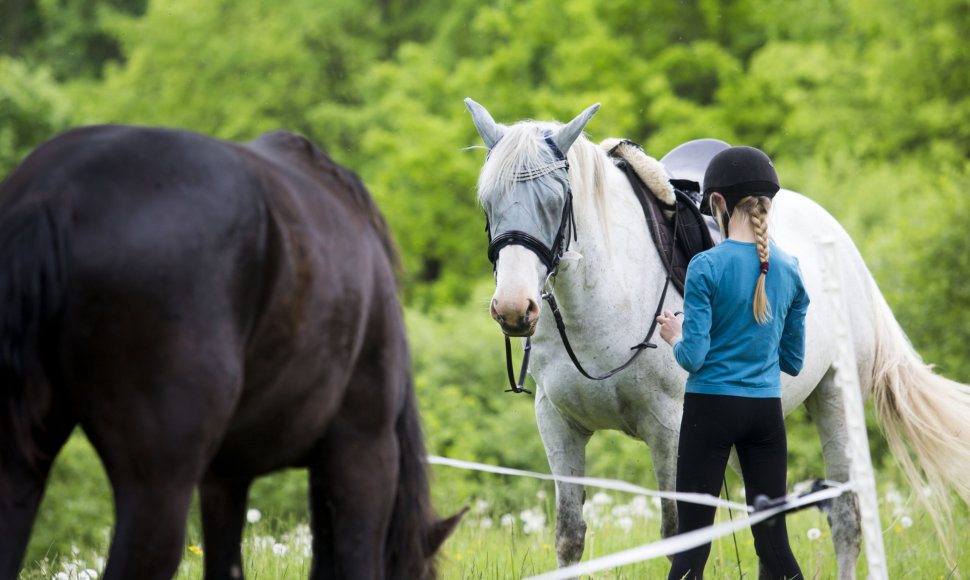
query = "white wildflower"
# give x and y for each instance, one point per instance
(280, 549)
(894, 497)
(602, 498)
(640, 506)
(253, 515)
(620, 510)
(814, 534)
(906, 522)
(507, 520)
(533, 521)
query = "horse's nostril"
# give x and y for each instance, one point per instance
(532, 310)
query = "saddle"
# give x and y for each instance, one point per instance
(678, 228)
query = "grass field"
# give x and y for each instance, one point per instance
(495, 544)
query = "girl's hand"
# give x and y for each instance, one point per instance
(669, 327)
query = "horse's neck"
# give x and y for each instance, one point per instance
(619, 264)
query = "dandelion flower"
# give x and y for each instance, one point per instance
(253, 516)
(906, 522)
(195, 550)
(602, 499)
(814, 534)
(280, 549)
(534, 521)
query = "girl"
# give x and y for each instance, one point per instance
(744, 323)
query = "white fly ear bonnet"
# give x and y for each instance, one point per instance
(535, 210)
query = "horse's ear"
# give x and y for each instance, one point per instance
(490, 131)
(565, 137)
(440, 531)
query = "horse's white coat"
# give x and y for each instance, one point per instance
(608, 297)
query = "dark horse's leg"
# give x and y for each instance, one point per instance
(352, 489)
(24, 469)
(354, 476)
(156, 428)
(223, 505)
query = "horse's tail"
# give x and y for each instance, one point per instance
(31, 292)
(415, 533)
(926, 411)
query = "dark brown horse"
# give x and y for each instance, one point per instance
(208, 312)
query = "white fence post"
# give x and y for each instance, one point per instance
(847, 379)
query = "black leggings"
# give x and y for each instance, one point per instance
(756, 427)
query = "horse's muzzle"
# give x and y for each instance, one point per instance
(516, 321)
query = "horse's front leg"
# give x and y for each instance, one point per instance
(353, 483)
(565, 445)
(663, 450)
(658, 425)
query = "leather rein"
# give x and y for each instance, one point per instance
(518, 386)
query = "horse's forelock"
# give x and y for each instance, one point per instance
(519, 148)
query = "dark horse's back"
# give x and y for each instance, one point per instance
(208, 312)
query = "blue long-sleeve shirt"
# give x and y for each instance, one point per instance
(723, 348)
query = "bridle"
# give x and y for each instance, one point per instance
(551, 256)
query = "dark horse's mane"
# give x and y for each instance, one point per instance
(413, 515)
(307, 153)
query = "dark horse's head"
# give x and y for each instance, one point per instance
(209, 312)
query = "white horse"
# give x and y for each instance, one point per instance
(608, 285)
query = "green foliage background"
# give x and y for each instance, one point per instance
(864, 105)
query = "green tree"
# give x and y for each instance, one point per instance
(66, 36)
(32, 108)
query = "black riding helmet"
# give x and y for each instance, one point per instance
(736, 173)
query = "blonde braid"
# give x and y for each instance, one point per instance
(757, 210)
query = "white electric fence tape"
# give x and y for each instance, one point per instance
(686, 541)
(698, 498)
(665, 547)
